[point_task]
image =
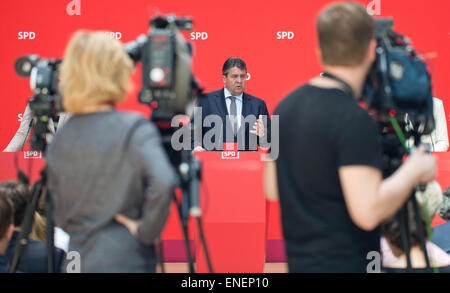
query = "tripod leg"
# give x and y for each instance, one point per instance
(26, 227)
(195, 211)
(184, 226)
(421, 233)
(205, 247)
(50, 235)
(404, 233)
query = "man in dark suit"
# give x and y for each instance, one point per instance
(34, 257)
(227, 114)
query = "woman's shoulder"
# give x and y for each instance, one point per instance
(134, 120)
(107, 124)
(111, 118)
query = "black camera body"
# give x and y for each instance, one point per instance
(399, 80)
(398, 89)
(168, 84)
(46, 100)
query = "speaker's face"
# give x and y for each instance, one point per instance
(235, 81)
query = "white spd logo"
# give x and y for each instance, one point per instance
(230, 155)
(285, 35)
(32, 155)
(199, 35)
(26, 35)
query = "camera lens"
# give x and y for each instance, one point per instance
(24, 65)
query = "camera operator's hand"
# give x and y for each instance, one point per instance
(130, 224)
(423, 163)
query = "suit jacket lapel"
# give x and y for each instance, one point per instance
(245, 105)
(222, 111)
(220, 103)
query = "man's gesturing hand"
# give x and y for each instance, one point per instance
(258, 127)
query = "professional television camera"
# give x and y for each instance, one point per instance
(46, 101)
(398, 91)
(168, 85)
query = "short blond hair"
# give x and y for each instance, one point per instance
(345, 30)
(95, 70)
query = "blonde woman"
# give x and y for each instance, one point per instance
(104, 162)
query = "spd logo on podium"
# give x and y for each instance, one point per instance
(230, 155)
(230, 151)
(32, 155)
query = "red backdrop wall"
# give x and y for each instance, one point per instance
(247, 29)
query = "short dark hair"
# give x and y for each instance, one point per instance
(391, 227)
(233, 62)
(345, 31)
(18, 193)
(6, 215)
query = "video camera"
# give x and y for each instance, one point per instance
(46, 101)
(168, 85)
(398, 90)
(43, 82)
(399, 79)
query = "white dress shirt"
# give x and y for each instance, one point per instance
(238, 104)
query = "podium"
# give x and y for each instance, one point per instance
(233, 212)
(28, 161)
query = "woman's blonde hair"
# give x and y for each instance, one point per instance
(95, 70)
(39, 228)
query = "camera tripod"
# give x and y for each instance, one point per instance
(189, 170)
(39, 191)
(393, 153)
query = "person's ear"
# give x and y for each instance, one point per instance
(371, 52)
(224, 78)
